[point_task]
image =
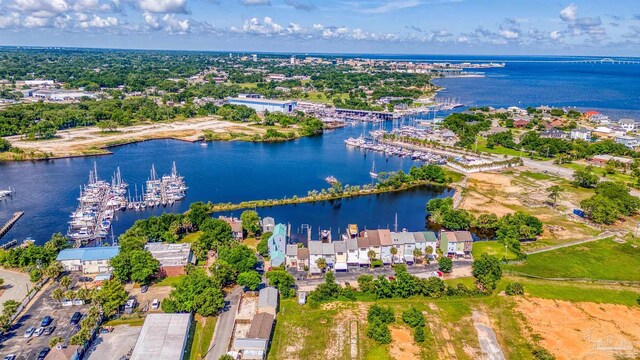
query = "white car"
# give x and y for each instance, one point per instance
(29, 332)
(155, 304)
(39, 331)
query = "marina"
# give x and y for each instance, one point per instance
(371, 144)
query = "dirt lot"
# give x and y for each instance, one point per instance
(154, 292)
(402, 344)
(114, 345)
(583, 330)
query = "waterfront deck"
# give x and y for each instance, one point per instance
(6, 227)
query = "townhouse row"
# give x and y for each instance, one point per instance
(360, 248)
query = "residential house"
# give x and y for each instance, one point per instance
(352, 251)
(456, 243)
(554, 134)
(627, 124)
(268, 300)
(409, 242)
(173, 258)
(628, 141)
(292, 255)
(268, 224)
(363, 250)
(277, 244)
(520, 123)
(303, 259)
(618, 130)
(236, 227)
(581, 134)
(602, 160)
(329, 254)
(603, 131)
(374, 242)
(385, 245)
(340, 248)
(89, 260)
(318, 250)
(405, 243)
(431, 241)
(599, 119)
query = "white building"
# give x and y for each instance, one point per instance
(90, 260)
(262, 105)
(163, 337)
(627, 124)
(581, 134)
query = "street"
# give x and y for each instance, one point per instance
(224, 326)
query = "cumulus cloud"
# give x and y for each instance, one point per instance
(300, 5)
(570, 13)
(555, 35)
(583, 26)
(98, 22)
(168, 22)
(163, 6)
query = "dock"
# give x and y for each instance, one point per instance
(6, 227)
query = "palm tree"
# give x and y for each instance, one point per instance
(554, 192)
(394, 252)
(53, 270)
(417, 254)
(65, 281)
(57, 294)
(427, 252)
(371, 255)
(322, 264)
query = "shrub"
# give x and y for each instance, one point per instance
(379, 331)
(418, 334)
(514, 288)
(445, 264)
(413, 317)
(382, 314)
(540, 353)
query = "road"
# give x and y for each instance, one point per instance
(224, 326)
(16, 285)
(604, 235)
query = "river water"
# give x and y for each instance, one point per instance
(235, 171)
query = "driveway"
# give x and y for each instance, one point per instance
(224, 326)
(16, 285)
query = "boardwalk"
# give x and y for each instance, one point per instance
(5, 229)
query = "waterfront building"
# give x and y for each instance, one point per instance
(340, 248)
(172, 257)
(268, 224)
(581, 134)
(426, 239)
(602, 160)
(456, 243)
(628, 141)
(163, 337)
(405, 243)
(236, 227)
(374, 243)
(262, 105)
(352, 251)
(91, 260)
(303, 259)
(292, 255)
(554, 133)
(277, 245)
(627, 124)
(268, 300)
(385, 245)
(363, 250)
(319, 250)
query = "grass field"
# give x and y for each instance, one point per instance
(189, 238)
(499, 150)
(492, 248)
(168, 281)
(201, 339)
(600, 171)
(602, 260)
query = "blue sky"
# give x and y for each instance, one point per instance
(550, 27)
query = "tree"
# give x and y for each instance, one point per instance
(486, 222)
(445, 264)
(417, 254)
(240, 257)
(427, 252)
(143, 266)
(601, 209)
(53, 270)
(365, 284)
(379, 332)
(195, 292)
(322, 264)
(514, 288)
(111, 296)
(250, 221)
(553, 192)
(394, 252)
(381, 313)
(222, 273)
(57, 294)
(198, 213)
(5, 145)
(250, 280)
(418, 334)
(281, 280)
(413, 317)
(263, 245)
(487, 271)
(585, 177)
(327, 291)
(35, 275)
(371, 255)
(518, 225)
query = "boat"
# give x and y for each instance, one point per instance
(373, 172)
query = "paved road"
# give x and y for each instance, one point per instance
(224, 326)
(604, 235)
(15, 286)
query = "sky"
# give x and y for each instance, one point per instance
(481, 27)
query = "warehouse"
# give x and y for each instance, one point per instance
(163, 337)
(172, 257)
(262, 105)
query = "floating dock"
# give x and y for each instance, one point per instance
(6, 227)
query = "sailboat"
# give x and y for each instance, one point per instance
(373, 172)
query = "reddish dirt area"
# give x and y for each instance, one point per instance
(583, 330)
(402, 344)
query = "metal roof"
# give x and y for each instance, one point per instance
(268, 297)
(249, 344)
(163, 337)
(340, 246)
(89, 253)
(352, 244)
(292, 249)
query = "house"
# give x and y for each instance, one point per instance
(352, 251)
(627, 124)
(386, 243)
(90, 260)
(69, 352)
(318, 250)
(329, 254)
(405, 243)
(557, 123)
(409, 246)
(374, 243)
(303, 259)
(340, 248)
(163, 337)
(363, 250)
(456, 243)
(236, 226)
(599, 119)
(256, 344)
(268, 300)
(603, 131)
(554, 134)
(172, 257)
(628, 141)
(292, 255)
(268, 224)
(424, 240)
(581, 134)
(602, 160)
(277, 244)
(520, 123)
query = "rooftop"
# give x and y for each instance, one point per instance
(170, 254)
(260, 101)
(268, 297)
(261, 326)
(163, 337)
(89, 253)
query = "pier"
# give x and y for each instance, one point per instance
(6, 227)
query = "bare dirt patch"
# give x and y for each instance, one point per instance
(344, 332)
(583, 330)
(402, 344)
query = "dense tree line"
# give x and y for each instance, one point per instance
(432, 173)
(611, 201)
(466, 127)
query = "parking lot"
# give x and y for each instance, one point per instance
(116, 344)
(14, 341)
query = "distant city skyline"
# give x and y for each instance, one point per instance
(548, 27)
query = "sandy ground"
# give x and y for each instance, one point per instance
(15, 286)
(344, 332)
(75, 141)
(583, 330)
(402, 345)
(486, 336)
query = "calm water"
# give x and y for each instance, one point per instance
(235, 171)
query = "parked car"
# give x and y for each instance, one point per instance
(10, 357)
(49, 330)
(46, 321)
(85, 279)
(155, 304)
(75, 319)
(29, 332)
(144, 288)
(43, 353)
(38, 331)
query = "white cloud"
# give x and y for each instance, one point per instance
(99, 22)
(256, 2)
(265, 27)
(174, 25)
(48, 6)
(555, 35)
(509, 34)
(9, 21)
(388, 5)
(570, 13)
(35, 22)
(163, 6)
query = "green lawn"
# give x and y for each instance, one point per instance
(492, 248)
(133, 320)
(578, 292)
(604, 259)
(201, 339)
(189, 238)
(600, 171)
(168, 281)
(499, 150)
(537, 175)
(454, 175)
